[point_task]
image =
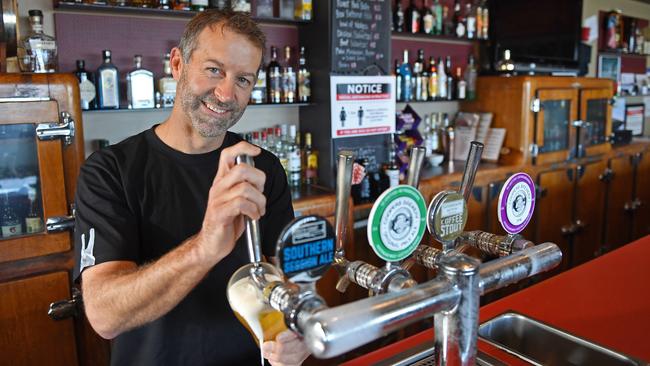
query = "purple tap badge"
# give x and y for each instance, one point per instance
(516, 203)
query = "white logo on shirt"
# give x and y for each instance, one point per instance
(87, 257)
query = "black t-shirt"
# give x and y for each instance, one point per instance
(138, 200)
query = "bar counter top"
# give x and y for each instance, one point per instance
(606, 301)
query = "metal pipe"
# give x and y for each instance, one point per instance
(415, 165)
(456, 330)
(517, 266)
(253, 238)
(332, 332)
(471, 166)
(343, 186)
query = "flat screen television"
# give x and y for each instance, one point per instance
(544, 32)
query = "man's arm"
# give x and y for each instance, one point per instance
(119, 296)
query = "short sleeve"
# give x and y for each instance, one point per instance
(106, 229)
(279, 210)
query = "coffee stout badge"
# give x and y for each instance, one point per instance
(516, 203)
(305, 249)
(397, 223)
(447, 216)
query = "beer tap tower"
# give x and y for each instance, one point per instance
(452, 298)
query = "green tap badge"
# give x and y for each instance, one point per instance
(397, 223)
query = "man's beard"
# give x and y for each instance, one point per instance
(207, 126)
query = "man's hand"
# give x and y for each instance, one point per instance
(287, 350)
(237, 191)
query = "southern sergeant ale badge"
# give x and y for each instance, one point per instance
(396, 223)
(516, 203)
(305, 249)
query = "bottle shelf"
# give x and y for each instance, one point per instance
(432, 101)
(154, 12)
(255, 106)
(622, 54)
(434, 38)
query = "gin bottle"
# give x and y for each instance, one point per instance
(40, 49)
(108, 91)
(167, 84)
(139, 86)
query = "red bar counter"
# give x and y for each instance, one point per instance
(606, 301)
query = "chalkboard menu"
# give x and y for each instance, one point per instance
(361, 37)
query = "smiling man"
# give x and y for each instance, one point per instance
(159, 217)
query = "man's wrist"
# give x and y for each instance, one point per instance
(199, 245)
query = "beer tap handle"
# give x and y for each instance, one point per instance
(253, 238)
(415, 165)
(471, 166)
(343, 187)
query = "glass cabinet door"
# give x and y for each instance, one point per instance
(554, 135)
(21, 210)
(595, 110)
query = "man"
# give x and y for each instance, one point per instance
(160, 215)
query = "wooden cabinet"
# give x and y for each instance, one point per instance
(589, 218)
(37, 180)
(548, 119)
(620, 195)
(642, 215)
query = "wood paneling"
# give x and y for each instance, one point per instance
(29, 336)
(589, 210)
(29, 112)
(642, 214)
(620, 194)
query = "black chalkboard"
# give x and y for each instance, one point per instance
(360, 37)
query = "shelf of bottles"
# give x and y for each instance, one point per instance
(298, 12)
(20, 192)
(435, 21)
(168, 109)
(623, 35)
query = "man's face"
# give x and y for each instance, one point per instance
(216, 84)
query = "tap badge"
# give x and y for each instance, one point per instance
(447, 216)
(516, 203)
(305, 248)
(396, 223)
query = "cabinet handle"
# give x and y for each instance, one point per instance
(607, 175)
(64, 309)
(629, 206)
(568, 229)
(579, 225)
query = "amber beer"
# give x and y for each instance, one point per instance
(246, 301)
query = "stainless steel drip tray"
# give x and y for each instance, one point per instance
(541, 344)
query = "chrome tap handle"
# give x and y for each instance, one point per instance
(415, 165)
(253, 238)
(471, 166)
(343, 187)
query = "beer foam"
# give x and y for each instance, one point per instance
(244, 298)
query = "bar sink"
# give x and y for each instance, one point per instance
(541, 344)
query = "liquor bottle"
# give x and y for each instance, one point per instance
(303, 9)
(630, 42)
(486, 21)
(412, 18)
(505, 65)
(442, 80)
(427, 136)
(274, 78)
(280, 151)
(108, 91)
(416, 78)
(470, 12)
(199, 5)
(259, 93)
(361, 192)
(264, 9)
(9, 222)
(470, 78)
(422, 79)
(39, 48)
(304, 78)
(139, 86)
(286, 9)
(479, 20)
(164, 4)
(428, 19)
(182, 5)
(241, 5)
(451, 91)
(219, 4)
(311, 161)
(33, 220)
(294, 156)
(87, 91)
(459, 20)
(448, 28)
(288, 78)
(167, 84)
(437, 14)
(433, 80)
(398, 82)
(461, 85)
(406, 76)
(390, 168)
(398, 17)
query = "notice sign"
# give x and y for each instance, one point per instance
(362, 105)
